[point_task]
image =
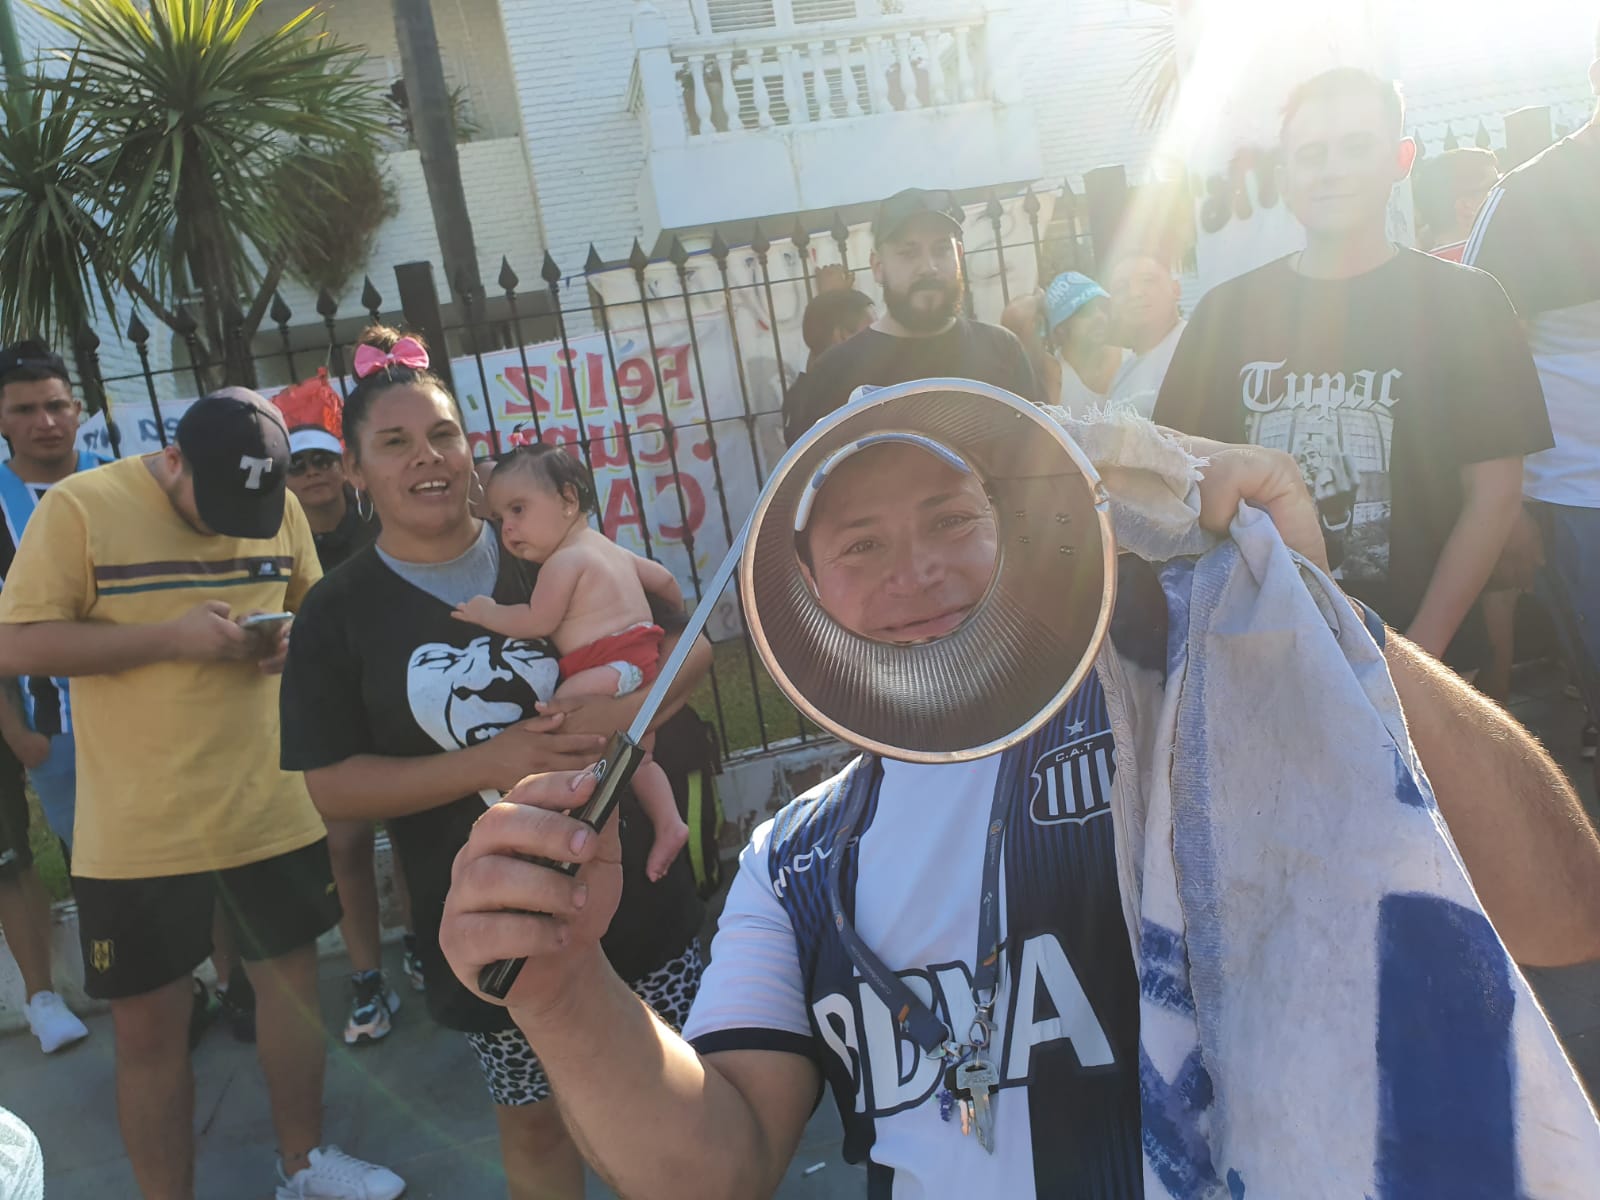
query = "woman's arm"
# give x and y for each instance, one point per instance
(375, 786)
(606, 716)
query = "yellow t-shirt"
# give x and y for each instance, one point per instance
(177, 761)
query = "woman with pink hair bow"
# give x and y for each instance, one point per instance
(398, 712)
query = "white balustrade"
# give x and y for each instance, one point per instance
(759, 85)
(841, 70)
(702, 100)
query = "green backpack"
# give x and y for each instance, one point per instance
(688, 751)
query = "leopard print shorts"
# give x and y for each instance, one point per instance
(511, 1068)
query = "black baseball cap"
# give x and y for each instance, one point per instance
(895, 212)
(32, 356)
(238, 451)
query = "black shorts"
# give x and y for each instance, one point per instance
(141, 934)
(16, 855)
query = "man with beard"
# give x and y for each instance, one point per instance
(916, 259)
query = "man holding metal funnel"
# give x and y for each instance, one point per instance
(1053, 934)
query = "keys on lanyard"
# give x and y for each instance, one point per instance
(973, 1084)
(971, 1080)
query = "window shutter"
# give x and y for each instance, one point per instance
(811, 12)
(730, 16)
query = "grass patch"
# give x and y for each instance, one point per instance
(743, 709)
(47, 857)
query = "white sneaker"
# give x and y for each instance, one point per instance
(334, 1175)
(53, 1023)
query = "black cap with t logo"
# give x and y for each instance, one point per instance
(238, 451)
(900, 209)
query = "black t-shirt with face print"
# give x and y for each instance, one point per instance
(378, 666)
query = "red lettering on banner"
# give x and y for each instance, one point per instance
(673, 363)
(529, 386)
(477, 442)
(607, 448)
(635, 383)
(597, 382)
(647, 427)
(563, 436)
(694, 503)
(622, 508)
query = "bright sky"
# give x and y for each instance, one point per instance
(1246, 54)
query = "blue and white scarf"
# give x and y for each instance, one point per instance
(1325, 1011)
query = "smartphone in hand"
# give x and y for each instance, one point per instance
(265, 622)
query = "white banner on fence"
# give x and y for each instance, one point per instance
(674, 498)
(769, 314)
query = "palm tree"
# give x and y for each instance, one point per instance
(430, 110)
(1156, 76)
(183, 122)
(50, 280)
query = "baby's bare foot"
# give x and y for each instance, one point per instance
(669, 843)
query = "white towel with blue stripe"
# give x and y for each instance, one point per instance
(1325, 1010)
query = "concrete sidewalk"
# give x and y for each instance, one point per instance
(416, 1103)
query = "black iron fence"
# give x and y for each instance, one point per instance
(666, 373)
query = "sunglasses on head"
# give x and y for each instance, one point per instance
(312, 460)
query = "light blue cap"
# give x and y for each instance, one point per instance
(808, 499)
(1067, 293)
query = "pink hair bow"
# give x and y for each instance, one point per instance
(407, 352)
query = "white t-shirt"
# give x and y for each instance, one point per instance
(1077, 397)
(1139, 382)
(1538, 233)
(1067, 1113)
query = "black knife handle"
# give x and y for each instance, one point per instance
(614, 771)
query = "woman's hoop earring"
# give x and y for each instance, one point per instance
(363, 498)
(482, 497)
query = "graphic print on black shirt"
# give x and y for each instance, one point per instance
(378, 666)
(967, 350)
(1382, 387)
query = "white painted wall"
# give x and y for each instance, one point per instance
(572, 65)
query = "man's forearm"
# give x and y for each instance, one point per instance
(648, 1114)
(1521, 830)
(1469, 554)
(68, 648)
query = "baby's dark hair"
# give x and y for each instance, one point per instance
(555, 468)
(358, 404)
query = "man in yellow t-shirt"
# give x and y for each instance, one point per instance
(134, 580)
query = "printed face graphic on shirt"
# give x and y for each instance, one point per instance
(463, 695)
(1340, 428)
